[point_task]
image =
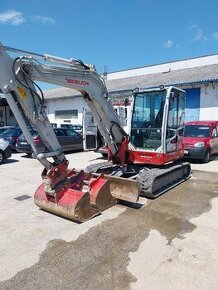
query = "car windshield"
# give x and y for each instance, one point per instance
(198, 131)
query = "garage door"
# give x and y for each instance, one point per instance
(192, 104)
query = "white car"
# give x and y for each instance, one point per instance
(5, 150)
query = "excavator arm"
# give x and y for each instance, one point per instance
(78, 196)
(20, 74)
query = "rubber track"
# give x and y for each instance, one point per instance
(154, 182)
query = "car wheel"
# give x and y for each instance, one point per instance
(2, 156)
(206, 157)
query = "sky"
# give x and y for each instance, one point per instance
(113, 35)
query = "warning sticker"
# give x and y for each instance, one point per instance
(22, 92)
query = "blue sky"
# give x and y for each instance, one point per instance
(116, 34)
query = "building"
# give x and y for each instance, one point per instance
(64, 106)
(198, 76)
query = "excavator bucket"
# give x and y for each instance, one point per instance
(80, 196)
(100, 193)
(63, 193)
(106, 190)
(69, 203)
(98, 188)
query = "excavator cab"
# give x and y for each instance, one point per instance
(157, 125)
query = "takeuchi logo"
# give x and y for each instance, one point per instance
(77, 82)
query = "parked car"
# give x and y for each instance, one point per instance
(200, 140)
(77, 128)
(11, 136)
(5, 151)
(4, 128)
(69, 140)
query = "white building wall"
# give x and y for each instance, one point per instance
(65, 104)
(209, 102)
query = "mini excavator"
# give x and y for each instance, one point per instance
(146, 162)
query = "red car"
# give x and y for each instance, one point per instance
(200, 140)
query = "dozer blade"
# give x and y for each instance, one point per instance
(123, 188)
(154, 182)
(120, 188)
(69, 203)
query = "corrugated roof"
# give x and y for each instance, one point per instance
(201, 74)
(207, 73)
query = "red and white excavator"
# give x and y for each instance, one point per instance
(145, 162)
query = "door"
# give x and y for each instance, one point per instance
(89, 131)
(175, 121)
(192, 107)
(120, 110)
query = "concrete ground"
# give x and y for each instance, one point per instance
(167, 243)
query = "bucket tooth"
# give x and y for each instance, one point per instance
(69, 203)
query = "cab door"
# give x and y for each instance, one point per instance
(175, 121)
(89, 131)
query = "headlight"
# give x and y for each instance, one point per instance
(199, 144)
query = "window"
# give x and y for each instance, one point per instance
(71, 133)
(66, 114)
(176, 117)
(148, 110)
(60, 132)
(147, 120)
(1, 114)
(198, 131)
